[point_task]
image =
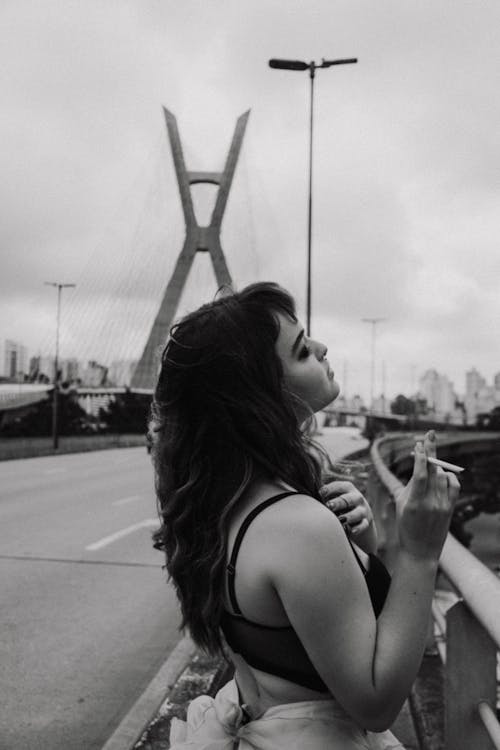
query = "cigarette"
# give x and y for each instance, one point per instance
(444, 464)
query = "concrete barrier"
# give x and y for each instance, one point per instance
(13, 448)
(455, 703)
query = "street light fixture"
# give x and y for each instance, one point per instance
(55, 435)
(311, 67)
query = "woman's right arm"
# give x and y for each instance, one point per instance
(369, 665)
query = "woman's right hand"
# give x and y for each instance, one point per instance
(427, 501)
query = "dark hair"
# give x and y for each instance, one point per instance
(221, 415)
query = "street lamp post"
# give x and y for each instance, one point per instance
(55, 435)
(311, 67)
(373, 322)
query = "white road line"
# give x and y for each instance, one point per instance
(54, 471)
(148, 522)
(125, 500)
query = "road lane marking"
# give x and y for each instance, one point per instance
(54, 471)
(34, 558)
(125, 500)
(148, 522)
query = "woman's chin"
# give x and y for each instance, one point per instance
(329, 398)
(335, 390)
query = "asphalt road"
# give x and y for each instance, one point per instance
(86, 617)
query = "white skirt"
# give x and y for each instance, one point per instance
(219, 724)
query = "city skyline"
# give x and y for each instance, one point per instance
(405, 219)
(433, 385)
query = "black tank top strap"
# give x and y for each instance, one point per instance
(231, 567)
(356, 555)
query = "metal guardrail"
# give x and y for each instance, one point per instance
(472, 624)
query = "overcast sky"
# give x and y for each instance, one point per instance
(406, 171)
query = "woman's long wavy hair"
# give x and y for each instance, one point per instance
(221, 415)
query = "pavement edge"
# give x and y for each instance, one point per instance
(132, 726)
(427, 702)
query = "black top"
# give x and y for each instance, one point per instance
(278, 649)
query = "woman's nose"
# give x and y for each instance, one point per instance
(320, 349)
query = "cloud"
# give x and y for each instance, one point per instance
(406, 144)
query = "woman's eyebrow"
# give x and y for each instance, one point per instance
(297, 341)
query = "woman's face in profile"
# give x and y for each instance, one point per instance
(307, 372)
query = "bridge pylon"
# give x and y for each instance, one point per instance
(197, 239)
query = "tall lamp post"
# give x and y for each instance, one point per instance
(55, 435)
(373, 322)
(311, 67)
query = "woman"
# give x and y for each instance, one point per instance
(325, 645)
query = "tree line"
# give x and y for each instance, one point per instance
(126, 413)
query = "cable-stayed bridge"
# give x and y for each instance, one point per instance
(163, 254)
(123, 302)
(149, 251)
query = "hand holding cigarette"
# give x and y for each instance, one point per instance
(427, 502)
(443, 464)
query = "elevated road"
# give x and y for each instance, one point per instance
(86, 616)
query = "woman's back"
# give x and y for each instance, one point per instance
(239, 378)
(255, 620)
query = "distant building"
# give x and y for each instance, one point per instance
(71, 370)
(94, 375)
(121, 371)
(347, 410)
(474, 382)
(14, 360)
(480, 398)
(440, 396)
(381, 404)
(41, 369)
(356, 403)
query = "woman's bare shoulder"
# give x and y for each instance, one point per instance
(302, 514)
(261, 491)
(297, 518)
(286, 532)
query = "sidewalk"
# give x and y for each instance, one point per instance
(204, 675)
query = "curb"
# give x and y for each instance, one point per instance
(427, 702)
(132, 726)
(204, 675)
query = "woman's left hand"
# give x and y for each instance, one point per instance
(347, 502)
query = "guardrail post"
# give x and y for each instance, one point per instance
(470, 677)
